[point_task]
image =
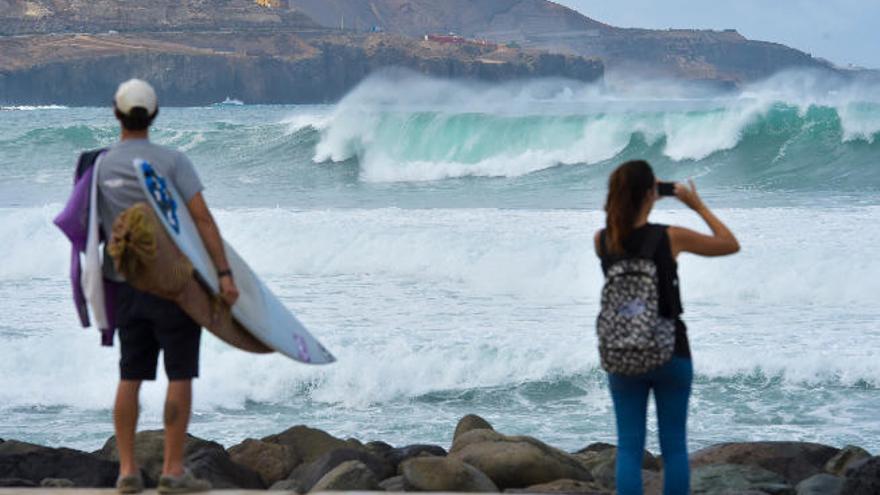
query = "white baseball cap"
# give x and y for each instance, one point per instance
(136, 93)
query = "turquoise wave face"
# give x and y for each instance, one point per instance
(451, 144)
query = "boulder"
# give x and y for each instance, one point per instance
(601, 461)
(285, 486)
(820, 484)
(273, 462)
(845, 459)
(56, 483)
(309, 474)
(22, 461)
(735, 478)
(517, 461)
(149, 451)
(565, 487)
(469, 423)
(396, 456)
(309, 443)
(16, 483)
(15, 447)
(864, 479)
(218, 468)
(596, 447)
(393, 484)
(793, 461)
(348, 476)
(378, 448)
(443, 474)
(474, 437)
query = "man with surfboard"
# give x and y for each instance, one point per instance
(146, 323)
(165, 274)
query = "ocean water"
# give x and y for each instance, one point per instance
(436, 236)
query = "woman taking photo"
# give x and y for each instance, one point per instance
(642, 339)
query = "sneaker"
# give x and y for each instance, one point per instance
(185, 483)
(130, 484)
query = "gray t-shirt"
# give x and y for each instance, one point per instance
(119, 189)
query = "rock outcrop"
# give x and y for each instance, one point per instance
(443, 474)
(793, 461)
(480, 460)
(516, 461)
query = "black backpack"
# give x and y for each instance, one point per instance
(633, 337)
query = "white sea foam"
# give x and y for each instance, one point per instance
(32, 108)
(416, 303)
(395, 134)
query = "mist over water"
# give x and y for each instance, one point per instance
(436, 236)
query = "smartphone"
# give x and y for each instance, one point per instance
(666, 188)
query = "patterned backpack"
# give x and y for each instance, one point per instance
(633, 337)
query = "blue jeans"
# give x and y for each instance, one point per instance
(672, 389)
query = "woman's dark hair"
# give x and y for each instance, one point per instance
(137, 119)
(627, 189)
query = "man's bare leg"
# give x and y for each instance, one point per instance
(178, 403)
(125, 417)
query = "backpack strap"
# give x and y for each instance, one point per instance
(652, 241)
(86, 161)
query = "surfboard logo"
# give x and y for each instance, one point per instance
(158, 188)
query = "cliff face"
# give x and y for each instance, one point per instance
(19, 17)
(201, 51)
(723, 56)
(204, 68)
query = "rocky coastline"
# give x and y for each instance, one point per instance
(480, 459)
(194, 69)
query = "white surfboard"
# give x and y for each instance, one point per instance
(258, 310)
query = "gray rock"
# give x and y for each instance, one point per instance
(286, 486)
(378, 448)
(393, 484)
(309, 443)
(596, 447)
(731, 478)
(16, 483)
(34, 463)
(10, 447)
(573, 487)
(218, 468)
(793, 461)
(820, 484)
(309, 474)
(517, 461)
(864, 479)
(348, 476)
(442, 474)
(56, 483)
(845, 459)
(474, 437)
(273, 462)
(601, 460)
(396, 456)
(149, 452)
(469, 423)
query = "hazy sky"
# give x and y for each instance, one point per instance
(843, 31)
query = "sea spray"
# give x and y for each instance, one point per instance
(441, 246)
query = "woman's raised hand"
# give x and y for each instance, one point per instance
(688, 195)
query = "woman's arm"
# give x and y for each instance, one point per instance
(722, 241)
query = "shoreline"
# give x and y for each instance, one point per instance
(480, 459)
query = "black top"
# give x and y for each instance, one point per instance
(667, 275)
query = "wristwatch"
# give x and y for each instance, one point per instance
(224, 273)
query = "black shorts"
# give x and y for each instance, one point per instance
(148, 324)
